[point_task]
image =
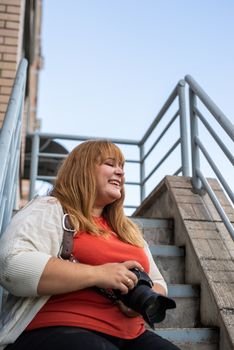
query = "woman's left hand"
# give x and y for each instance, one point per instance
(126, 310)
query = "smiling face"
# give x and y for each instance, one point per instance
(109, 182)
(92, 177)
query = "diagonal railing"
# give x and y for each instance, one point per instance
(198, 178)
(179, 94)
(10, 144)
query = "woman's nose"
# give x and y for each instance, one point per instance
(119, 171)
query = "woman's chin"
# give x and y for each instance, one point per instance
(114, 197)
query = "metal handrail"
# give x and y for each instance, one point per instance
(179, 93)
(10, 143)
(197, 147)
(36, 154)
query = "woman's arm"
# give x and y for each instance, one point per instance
(28, 257)
(32, 237)
(158, 288)
(63, 276)
(160, 285)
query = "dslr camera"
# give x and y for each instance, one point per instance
(142, 299)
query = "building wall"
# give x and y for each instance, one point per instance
(20, 36)
(35, 64)
(11, 21)
(20, 28)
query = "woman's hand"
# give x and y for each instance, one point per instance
(117, 275)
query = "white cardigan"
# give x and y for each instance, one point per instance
(34, 235)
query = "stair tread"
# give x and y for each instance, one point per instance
(183, 290)
(189, 335)
(166, 250)
(153, 223)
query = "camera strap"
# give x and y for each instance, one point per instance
(67, 243)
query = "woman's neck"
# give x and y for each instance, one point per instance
(97, 212)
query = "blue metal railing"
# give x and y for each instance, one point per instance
(198, 179)
(10, 143)
(177, 93)
(36, 154)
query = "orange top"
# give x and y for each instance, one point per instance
(86, 308)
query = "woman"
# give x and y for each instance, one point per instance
(52, 302)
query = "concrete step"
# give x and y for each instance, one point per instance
(181, 324)
(156, 231)
(192, 338)
(187, 310)
(170, 262)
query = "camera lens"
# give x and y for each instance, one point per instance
(152, 309)
(144, 300)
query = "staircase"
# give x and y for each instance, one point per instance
(182, 325)
(194, 251)
(188, 222)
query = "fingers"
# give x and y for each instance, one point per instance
(123, 288)
(131, 280)
(127, 283)
(117, 275)
(130, 264)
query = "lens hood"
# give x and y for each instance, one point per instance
(144, 300)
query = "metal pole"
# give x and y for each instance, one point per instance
(142, 172)
(217, 205)
(211, 106)
(8, 127)
(34, 164)
(183, 129)
(194, 147)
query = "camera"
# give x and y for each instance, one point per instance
(142, 299)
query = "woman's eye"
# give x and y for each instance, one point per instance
(109, 164)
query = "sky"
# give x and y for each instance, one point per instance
(110, 65)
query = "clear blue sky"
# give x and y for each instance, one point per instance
(110, 65)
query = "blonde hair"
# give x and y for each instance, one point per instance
(75, 188)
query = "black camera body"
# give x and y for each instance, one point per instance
(142, 299)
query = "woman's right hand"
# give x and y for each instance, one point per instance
(63, 276)
(117, 275)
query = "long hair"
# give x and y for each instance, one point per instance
(75, 188)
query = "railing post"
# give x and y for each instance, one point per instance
(34, 164)
(194, 147)
(183, 129)
(142, 172)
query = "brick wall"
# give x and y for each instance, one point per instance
(11, 22)
(20, 36)
(12, 26)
